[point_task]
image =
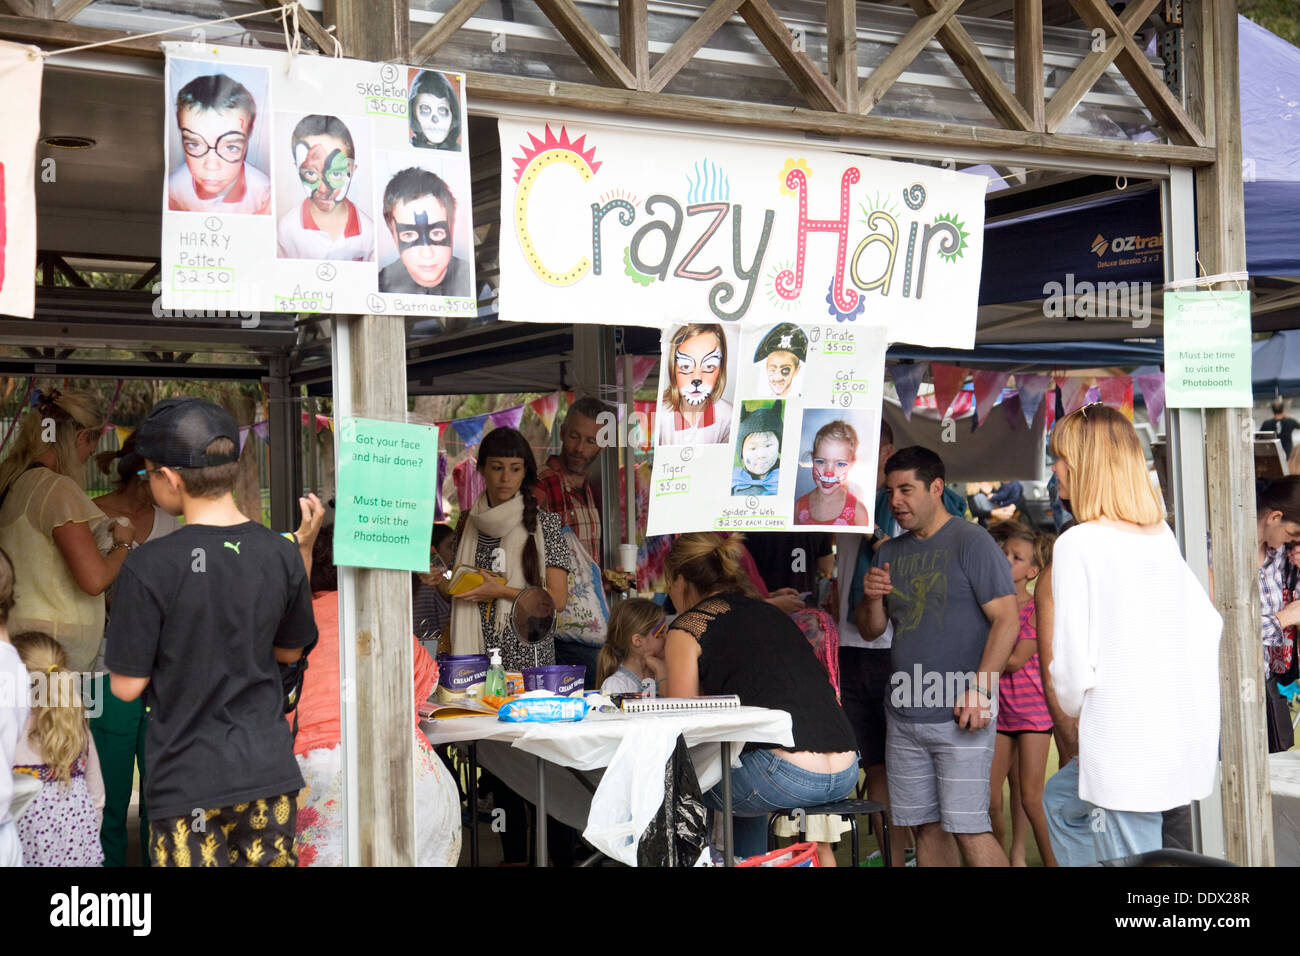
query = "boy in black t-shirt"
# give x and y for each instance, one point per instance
(200, 620)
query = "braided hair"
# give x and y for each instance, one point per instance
(509, 443)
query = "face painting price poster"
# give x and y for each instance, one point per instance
(337, 186)
(767, 429)
(384, 501)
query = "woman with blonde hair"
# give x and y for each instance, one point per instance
(1129, 617)
(61, 825)
(48, 524)
(729, 643)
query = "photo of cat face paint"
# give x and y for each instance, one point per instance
(694, 410)
(832, 459)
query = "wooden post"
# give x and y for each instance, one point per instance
(381, 610)
(1214, 104)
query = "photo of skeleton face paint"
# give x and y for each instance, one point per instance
(832, 460)
(694, 409)
(214, 168)
(433, 110)
(758, 448)
(420, 212)
(779, 360)
(323, 219)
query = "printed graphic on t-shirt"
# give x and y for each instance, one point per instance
(921, 586)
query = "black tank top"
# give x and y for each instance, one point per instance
(753, 650)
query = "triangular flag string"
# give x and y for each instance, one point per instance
(948, 381)
(907, 380)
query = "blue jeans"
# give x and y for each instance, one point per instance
(764, 783)
(1084, 834)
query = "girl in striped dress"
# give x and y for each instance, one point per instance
(1024, 722)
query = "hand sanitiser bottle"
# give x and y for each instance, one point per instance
(495, 686)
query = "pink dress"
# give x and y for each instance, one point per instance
(803, 511)
(1022, 705)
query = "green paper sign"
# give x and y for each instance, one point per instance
(1207, 349)
(387, 478)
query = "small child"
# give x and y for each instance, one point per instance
(834, 453)
(1024, 722)
(14, 698)
(634, 647)
(61, 825)
(215, 116)
(759, 450)
(202, 619)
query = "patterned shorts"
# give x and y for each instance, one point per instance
(257, 833)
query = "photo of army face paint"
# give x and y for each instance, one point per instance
(324, 170)
(423, 236)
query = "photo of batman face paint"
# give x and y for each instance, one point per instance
(422, 232)
(324, 170)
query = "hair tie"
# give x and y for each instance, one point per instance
(52, 668)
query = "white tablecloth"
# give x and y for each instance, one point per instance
(632, 748)
(1284, 777)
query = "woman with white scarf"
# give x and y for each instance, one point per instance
(505, 532)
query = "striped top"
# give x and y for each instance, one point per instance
(1021, 702)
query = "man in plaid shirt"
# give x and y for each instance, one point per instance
(564, 487)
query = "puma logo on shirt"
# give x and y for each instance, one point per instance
(233, 546)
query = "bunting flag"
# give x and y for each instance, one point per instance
(907, 379)
(439, 508)
(1012, 407)
(1049, 416)
(243, 437)
(507, 417)
(1094, 396)
(442, 433)
(642, 365)
(470, 430)
(263, 431)
(546, 407)
(1117, 393)
(1074, 393)
(948, 381)
(988, 387)
(1031, 389)
(1151, 381)
(123, 433)
(469, 483)
(324, 421)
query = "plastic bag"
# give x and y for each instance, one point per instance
(677, 833)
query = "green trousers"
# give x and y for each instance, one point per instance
(119, 738)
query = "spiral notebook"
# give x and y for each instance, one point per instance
(656, 705)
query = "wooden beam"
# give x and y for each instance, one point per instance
(23, 8)
(53, 33)
(377, 30)
(842, 50)
(309, 25)
(67, 9)
(587, 42)
(431, 42)
(515, 89)
(886, 74)
(1085, 76)
(965, 55)
(1214, 100)
(634, 39)
(1029, 60)
(689, 43)
(796, 64)
(1136, 68)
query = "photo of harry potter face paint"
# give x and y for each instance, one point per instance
(326, 159)
(420, 212)
(215, 115)
(758, 448)
(698, 362)
(433, 112)
(780, 357)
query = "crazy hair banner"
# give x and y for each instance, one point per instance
(604, 225)
(767, 427)
(20, 120)
(314, 184)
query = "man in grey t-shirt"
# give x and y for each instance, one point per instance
(946, 587)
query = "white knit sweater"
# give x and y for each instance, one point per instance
(1135, 647)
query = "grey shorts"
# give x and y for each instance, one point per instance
(939, 773)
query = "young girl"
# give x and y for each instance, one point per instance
(61, 825)
(1024, 722)
(634, 647)
(834, 453)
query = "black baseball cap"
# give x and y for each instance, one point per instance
(178, 431)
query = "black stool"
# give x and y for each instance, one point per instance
(846, 810)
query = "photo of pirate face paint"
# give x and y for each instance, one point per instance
(780, 357)
(696, 365)
(422, 229)
(324, 169)
(215, 144)
(781, 368)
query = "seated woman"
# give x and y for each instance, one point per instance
(729, 643)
